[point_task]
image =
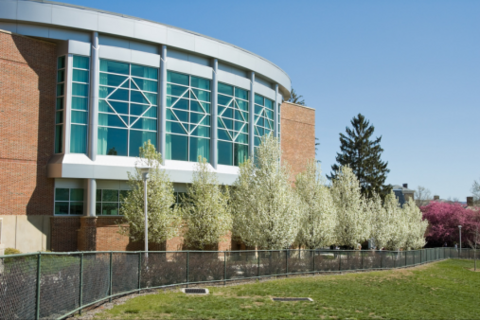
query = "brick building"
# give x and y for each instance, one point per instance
(81, 90)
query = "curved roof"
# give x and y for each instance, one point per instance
(77, 17)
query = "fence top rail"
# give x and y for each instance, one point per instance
(76, 253)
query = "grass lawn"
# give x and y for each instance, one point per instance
(443, 290)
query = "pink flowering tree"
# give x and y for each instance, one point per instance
(444, 219)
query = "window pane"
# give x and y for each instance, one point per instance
(152, 112)
(109, 209)
(61, 75)
(76, 194)
(242, 138)
(144, 72)
(120, 94)
(223, 135)
(152, 97)
(111, 79)
(240, 93)
(110, 195)
(59, 117)
(61, 208)
(61, 62)
(175, 127)
(196, 106)
(79, 103)
(228, 124)
(146, 124)
(59, 104)
(58, 139)
(76, 208)
(240, 154)
(123, 194)
(225, 153)
(114, 67)
(99, 195)
(243, 105)
(228, 113)
(81, 62)
(258, 99)
(110, 120)
(195, 118)
(199, 148)
(268, 103)
(225, 89)
(80, 75)
(78, 143)
(200, 83)
(61, 194)
(177, 103)
(177, 78)
(224, 100)
(80, 89)
(59, 90)
(112, 141)
(175, 90)
(201, 132)
(201, 95)
(138, 109)
(146, 85)
(176, 147)
(137, 96)
(138, 138)
(79, 117)
(119, 107)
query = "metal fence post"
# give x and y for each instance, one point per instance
(286, 262)
(405, 258)
(361, 256)
(81, 282)
(258, 264)
(111, 276)
(188, 275)
(224, 268)
(139, 271)
(313, 261)
(39, 267)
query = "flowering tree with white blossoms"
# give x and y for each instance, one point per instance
(398, 222)
(318, 217)
(416, 225)
(382, 225)
(266, 207)
(205, 209)
(353, 220)
(163, 220)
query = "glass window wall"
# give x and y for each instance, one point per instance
(127, 108)
(264, 116)
(79, 116)
(188, 117)
(59, 105)
(232, 125)
(68, 201)
(109, 201)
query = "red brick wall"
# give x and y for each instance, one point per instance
(27, 113)
(297, 136)
(64, 232)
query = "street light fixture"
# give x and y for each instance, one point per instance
(460, 233)
(145, 176)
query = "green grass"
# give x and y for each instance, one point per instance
(443, 290)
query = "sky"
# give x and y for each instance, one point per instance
(411, 67)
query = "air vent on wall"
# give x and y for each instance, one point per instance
(195, 291)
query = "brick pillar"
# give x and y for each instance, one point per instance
(87, 235)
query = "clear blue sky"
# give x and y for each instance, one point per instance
(412, 67)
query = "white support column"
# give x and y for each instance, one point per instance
(275, 113)
(67, 100)
(162, 103)
(214, 114)
(91, 184)
(251, 117)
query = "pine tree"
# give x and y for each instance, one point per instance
(362, 155)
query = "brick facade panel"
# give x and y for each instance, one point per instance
(27, 112)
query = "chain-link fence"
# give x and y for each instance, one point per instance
(55, 285)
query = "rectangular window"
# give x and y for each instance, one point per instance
(188, 117)
(59, 105)
(127, 108)
(109, 201)
(264, 118)
(232, 125)
(80, 93)
(68, 201)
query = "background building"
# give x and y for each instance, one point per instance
(82, 89)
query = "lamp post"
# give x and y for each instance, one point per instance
(460, 233)
(145, 171)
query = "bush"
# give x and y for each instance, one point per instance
(11, 251)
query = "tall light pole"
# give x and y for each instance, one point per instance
(145, 171)
(460, 233)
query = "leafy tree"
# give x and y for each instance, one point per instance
(382, 224)
(444, 219)
(422, 196)
(266, 208)
(205, 209)
(417, 226)
(362, 155)
(353, 217)
(164, 219)
(295, 98)
(318, 217)
(397, 223)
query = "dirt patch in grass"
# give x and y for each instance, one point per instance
(473, 270)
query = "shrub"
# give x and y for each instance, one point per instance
(9, 251)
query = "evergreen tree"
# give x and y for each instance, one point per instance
(362, 155)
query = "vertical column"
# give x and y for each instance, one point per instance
(214, 114)
(275, 112)
(251, 117)
(161, 138)
(67, 100)
(91, 184)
